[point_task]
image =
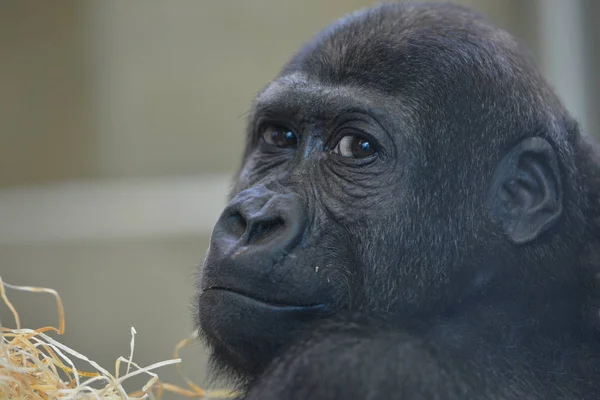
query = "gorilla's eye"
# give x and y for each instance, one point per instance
(355, 147)
(279, 136)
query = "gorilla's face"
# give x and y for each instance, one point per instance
(397, 167)
(324, 217)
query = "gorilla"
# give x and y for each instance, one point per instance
(417, 216)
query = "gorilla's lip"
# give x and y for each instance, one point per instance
(265, 301)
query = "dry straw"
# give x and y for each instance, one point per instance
(33, 365)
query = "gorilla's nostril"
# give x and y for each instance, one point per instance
(237, 224)
(261, 230)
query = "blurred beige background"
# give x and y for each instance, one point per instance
(122, 121)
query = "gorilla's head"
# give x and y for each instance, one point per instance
(407, 159)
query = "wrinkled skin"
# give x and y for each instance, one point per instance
(417, 216)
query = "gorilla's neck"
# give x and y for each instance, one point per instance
(500, 321)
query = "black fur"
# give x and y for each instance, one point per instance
(461, 261)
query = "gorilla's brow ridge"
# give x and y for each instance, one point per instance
(293, 95)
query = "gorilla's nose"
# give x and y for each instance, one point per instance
(259, 220)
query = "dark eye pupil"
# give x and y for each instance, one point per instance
(362, 148)
(283, 138)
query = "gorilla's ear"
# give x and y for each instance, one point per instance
(526, 190)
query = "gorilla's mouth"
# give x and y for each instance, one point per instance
(262, 301)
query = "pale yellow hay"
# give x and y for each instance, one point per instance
(33, 365)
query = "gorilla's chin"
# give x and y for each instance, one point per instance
(242, 328)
